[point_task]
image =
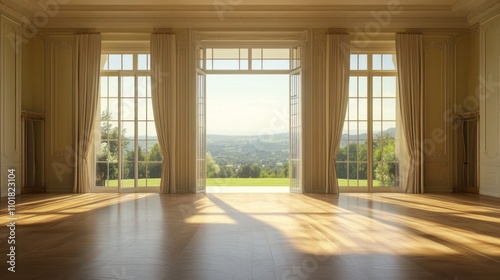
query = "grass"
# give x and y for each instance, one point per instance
(248, 182)
(236, 182)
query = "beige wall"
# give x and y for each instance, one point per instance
(10, 103)
(450, 70)
(59, 82)
(490, 108)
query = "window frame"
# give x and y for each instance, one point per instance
(369, 73)
(120, 74)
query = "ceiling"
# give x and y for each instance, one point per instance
(260, 2)
(254, 13)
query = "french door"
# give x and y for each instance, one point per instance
(248, 62)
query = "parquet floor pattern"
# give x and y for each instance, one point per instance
(253, 236)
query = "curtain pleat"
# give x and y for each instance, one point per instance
(338, 67)
(88, 51)
(164, 97)
(409, 52)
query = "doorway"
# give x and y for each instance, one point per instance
(237, 62)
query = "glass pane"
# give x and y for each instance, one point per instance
(276, 65)
(257, 64)
(142, 174)
(142, 130)
(389, 106)
(353, 109)
(128, 130)
(104, 87)
(363, 174)
(226, 53)
(143, 62)
(342, 173)
(226, 64)
(377, 129)
(390, 127)
(243, 64)
(113, 109)
(142, 109)
(363, 109)
(115, 62)
(128, 173)
(113, 153)
(363, 86)
(377, 86)
(276, 54)
(389, 84)
(377, 62)
(363, 62)
(154, 154)
(352, 152)
(128, 87)
(104, 62)
(244, 54)
(113, 86)
(104, 109)
(256, 53)
(149, 87)
(151, 115)
(101, 174)
(128, 109)
(152, 130)
(353, 86)
(128, 62)
(363, 130)
(389, 62)
(154, 173)
(342, 153)
(354, 62)
(142, 86)
(377, 109)
(112, 130)
(353, 173)
(353, 130)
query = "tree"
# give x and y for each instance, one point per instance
(384, 157)
(255, 171)
(109, 150)
(284, 171)
(155, 158)
(212, 168)
(245, 171)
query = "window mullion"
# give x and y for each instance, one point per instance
(119, 140)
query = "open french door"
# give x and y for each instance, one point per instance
(201, 123)
(295, 162)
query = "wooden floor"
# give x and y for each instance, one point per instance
(254, 236)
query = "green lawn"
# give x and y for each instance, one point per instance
(234, 182)
(248, 182)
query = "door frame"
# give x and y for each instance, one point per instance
(244, 39)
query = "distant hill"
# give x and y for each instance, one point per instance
(269, 150)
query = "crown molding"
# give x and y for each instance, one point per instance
(484, 13)
(13, 10)
(158, 19)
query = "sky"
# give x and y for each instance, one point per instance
(247, 104)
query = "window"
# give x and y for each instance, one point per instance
(127, 152)
(247, 58)
(368, 154)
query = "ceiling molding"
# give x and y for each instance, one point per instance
(485, 12)
(13, 10)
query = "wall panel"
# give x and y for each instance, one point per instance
(438, 92)
(490, 105)
(10, 98)
(59, 85)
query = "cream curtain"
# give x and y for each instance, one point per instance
(338, 67)
(164, 95)
(88, 51)
(409, 54)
